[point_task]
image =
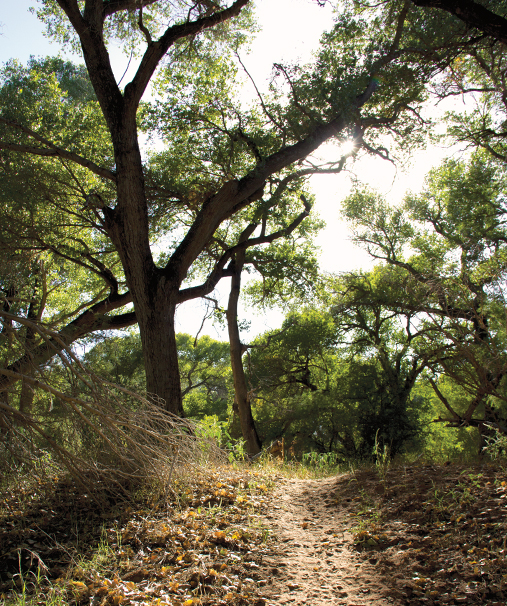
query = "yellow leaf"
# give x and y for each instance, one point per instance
(188, 603)
(79, 588)
(78, 585)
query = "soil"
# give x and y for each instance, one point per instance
(315, 561)
(422, 535)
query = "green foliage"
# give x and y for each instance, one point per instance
(382, 458)
(496, 447)
(445, 263)
(210, 427)
(436, 303)
(204, 369)
(54, 256)
(320, 461)
(321, 395)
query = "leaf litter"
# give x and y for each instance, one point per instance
(421, 535)
(202, 547)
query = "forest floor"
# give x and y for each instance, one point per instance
(419, 535)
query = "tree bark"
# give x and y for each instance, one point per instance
(242, 398)
(158, 337)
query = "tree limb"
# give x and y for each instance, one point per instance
(473, 14)
(92, 320)
(53, 150)
(156, 50)
(244, 243)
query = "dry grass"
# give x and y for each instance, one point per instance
(104, 433)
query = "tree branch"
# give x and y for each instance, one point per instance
(52, 150)
(156, 50)
(92, 320)
(473, 14)
(114, 6)
(245, 242)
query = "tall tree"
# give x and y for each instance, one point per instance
(220, 159)
(264, 261)
(372, 327)
(447, 247)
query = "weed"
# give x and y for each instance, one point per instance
(496, 448)
(321, 463)
(100, 563)
(212, 429)
(29, 589)
(382, 458)
(368, 521)
(439, 497)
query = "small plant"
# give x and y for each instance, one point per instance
(212, 429)
(31, 587)
(367, 531)
(496, 447)
(382, 458)
(439, 498)
(320, 461)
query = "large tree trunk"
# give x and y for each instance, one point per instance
(242, 399)
(154, 295)
(158, 338)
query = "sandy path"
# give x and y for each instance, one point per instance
(312, 560)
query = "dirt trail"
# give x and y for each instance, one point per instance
(313, 561)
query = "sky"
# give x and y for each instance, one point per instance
(290, 32)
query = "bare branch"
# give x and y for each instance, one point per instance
(263, 105)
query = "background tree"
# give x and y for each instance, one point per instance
(447, 249)
(204, 367)
(373, 330)
(334, 394)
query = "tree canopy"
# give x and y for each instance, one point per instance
(100, 231)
